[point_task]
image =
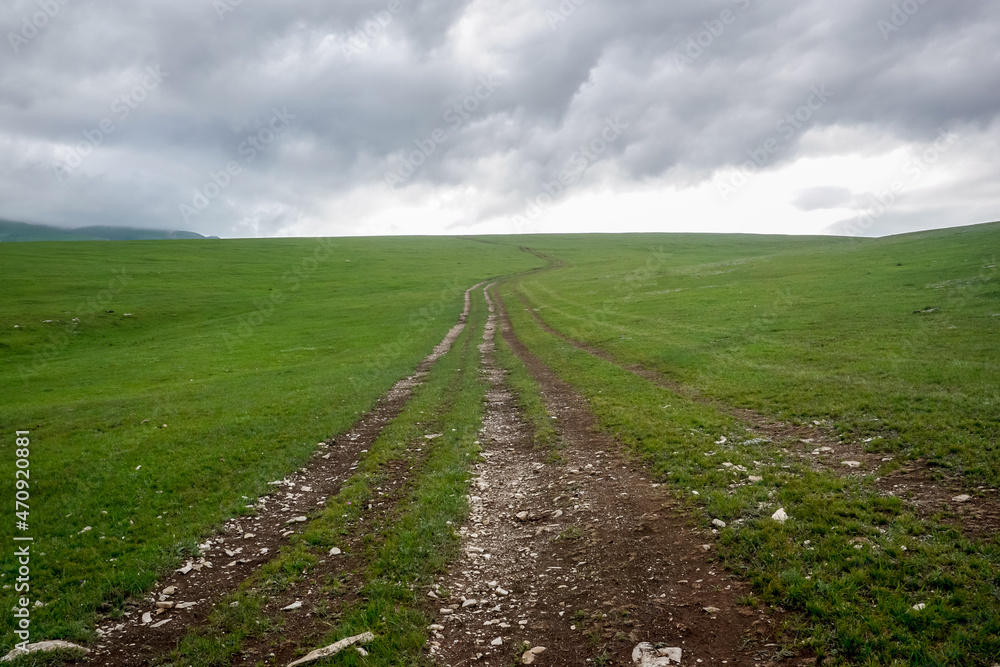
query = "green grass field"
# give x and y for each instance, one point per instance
(805, 328)
(224, 362)
(249, 352)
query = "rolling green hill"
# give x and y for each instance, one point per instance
(19, 232)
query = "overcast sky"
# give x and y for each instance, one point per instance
(311, 117)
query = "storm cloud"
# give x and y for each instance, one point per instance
(447, 116)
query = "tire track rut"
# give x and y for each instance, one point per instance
(584, 558)
(154, 625)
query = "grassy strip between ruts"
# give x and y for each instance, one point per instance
(402, 554)
(528, 394)
(424, 540)
(851, 564)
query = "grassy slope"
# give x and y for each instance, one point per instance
(805, 328)
(249, 351)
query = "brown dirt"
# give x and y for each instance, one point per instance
(925, 490)
(244, 544)
(580, 552)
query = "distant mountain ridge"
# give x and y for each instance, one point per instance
(11, 232)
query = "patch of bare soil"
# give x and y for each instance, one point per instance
(154, 626)
(976, 512)
(584, 557)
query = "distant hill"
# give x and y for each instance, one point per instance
(20, 231)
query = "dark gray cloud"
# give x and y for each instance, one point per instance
(297, 116)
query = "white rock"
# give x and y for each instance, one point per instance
(497, 642)
(321, 653)
(645, 655)
(51, 645)
(298, 519)
(718, 523)
(962, 498)
(334, 552)
(501, 591)
(919, 607)
(295, 605)
(469, 603)
(159, 623)
(184, 570)
(780, 516)
(521, 516)
(363, 653)
(169, 590)
(755, 478)
(711, 610)
(147, 618)
(851, 464)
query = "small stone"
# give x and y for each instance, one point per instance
(522, 516)
(919, 607)
(298, 519)
(501, 591)
(363, 653)
(334, 552)
(538, 650)
(165, 604)
(962, 498)
(184, 570)
(295, 605)
(435, 626)
(646, 655)
(755, 478)
(711, 610)
(851, 464)
(469, 603)
(444, 611)
(718, 523)
(159, 623)
(557, 514)
(780, 516)
(147, 618)
(497, 642)
(169, 590)
(247, 536)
